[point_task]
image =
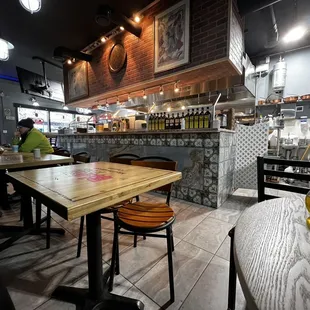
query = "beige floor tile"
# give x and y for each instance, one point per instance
(54, 304)
(224, 250)
(136, 262)
(245, 192)
(189, 263)
(137, 294)
(188, 219)
(226, 215)
(209, 234)
(211, 290)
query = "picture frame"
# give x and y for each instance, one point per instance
(77, 81)
(171, 37)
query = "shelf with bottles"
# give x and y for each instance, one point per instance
(199, 119)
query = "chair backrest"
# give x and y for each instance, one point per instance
(62, 152)
(158, 163)
(123, 158)
(53, 141)
(81, 158)
(264, 172)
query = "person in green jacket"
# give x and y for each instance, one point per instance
(32, 138)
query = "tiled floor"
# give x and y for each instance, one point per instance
(200, 260)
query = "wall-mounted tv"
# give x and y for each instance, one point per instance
(35, 84)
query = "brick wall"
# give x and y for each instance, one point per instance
(208, 42)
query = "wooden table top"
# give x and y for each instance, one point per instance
(78, 190)
(272, 253)
(10, 160)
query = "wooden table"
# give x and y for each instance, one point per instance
(21, 161)
(272, 255)
(75, 191)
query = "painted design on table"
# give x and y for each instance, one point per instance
(89, 176)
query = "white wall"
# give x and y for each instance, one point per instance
(298, 75)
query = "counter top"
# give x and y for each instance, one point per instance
(145, 132)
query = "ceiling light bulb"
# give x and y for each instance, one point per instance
(295, 34)
(5, 46)
(69, 62)
(183, 107)
(161, 91)
(121, 28)
(103, 39)
(137, 19)
(35, 103)
(169, 109)
(176, 88)
(65, 107)
(144, 95)
(31, 6)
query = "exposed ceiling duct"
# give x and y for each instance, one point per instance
(273, 35)
(247, 6)
(105, 15)
(61, 53)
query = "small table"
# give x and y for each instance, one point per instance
(272, 255)
(79, 190)
(21, 161)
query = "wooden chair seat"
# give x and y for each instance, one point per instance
(145, 215)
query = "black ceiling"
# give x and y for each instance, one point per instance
(258, 27)
(71, 23)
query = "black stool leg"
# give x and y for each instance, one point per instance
(117, 245)
(80, 237)
(232, 273)
(170, 263)
(135, 238)
(48, 228)
(172, 240)
(114, 257)
(38, 214)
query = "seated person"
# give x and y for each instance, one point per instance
(32, 138)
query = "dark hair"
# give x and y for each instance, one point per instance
(27, 122)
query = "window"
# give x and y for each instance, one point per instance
(60, 120)
(40, 117)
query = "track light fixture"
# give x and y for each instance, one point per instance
(161, 90)
(144, 95)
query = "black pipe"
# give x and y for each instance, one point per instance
(64, 52)
(47, 61)
(107, 14)
(246, 6)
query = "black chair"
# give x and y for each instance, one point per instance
(81, 158)
(5, 299)
(264, 175)
(62, 152)
(120, 159)
(143, 218)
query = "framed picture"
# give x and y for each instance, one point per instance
(77, 81)
(172, 37)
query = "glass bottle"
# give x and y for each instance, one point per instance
(172, 120)
(201, 118)
(164, 121)
(196, 119)
(167, 122)
(150, 123)
(207, 121)
(177, 122)
(187, 119)
(156, 122)
(191, 119)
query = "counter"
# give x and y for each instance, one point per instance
(205, 158)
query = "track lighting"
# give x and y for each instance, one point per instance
(169, 109)
(137, 19)
(176, 88)
(121, 28)
(69, 62)
(34, 101)
(31, 6)
(161, 90)
(65, 107)
(144, 95)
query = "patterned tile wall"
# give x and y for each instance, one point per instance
(199, 157)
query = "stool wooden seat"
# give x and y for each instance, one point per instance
(144, 218)
(145, 215)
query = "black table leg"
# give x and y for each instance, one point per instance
(232, 273)
(28, 228)
(97, 296)
(4, 202)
